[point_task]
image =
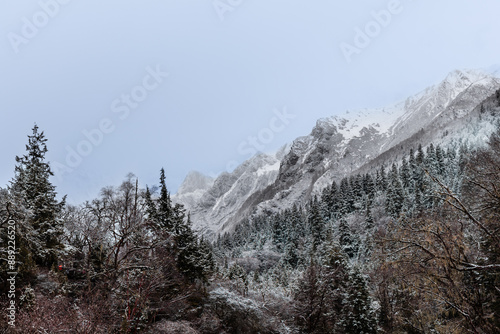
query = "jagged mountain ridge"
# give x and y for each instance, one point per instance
(214, 203)
(193, 187)
(336, 147)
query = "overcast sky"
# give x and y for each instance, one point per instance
(124, 86)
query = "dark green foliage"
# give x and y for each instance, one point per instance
(193, 259)
(291, 255)
(381, 179)
(405, 174)
(369, 187)
(440, 165)
(32, 190)
(316, 224)
(346, 197)
(359, 317)
(333, 299)
(395, 196)
(161, 214)
(347, 241)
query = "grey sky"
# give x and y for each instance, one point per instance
(232, 65)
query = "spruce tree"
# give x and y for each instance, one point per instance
(316, 224)
(169, 222)
(190, 258)
(357, 189)
(291, 254)
(346, 197)
(369, 186)
(278, 232)
(165, 214)
(333, 205)
(395, 194)
(381, 180)
(360, 317)
(31, 187)
(405, 175)
(440, 165)
(347, 240)
(412, 164)
(420, 155)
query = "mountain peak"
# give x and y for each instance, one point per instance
(459, 78)
(337, 146)
(195, 181)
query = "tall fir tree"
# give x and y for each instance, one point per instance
(359, 316)
(405, 174)
(31, 187)
(316, 224)
(194, 259)
(381, 180)
(395, 194)
(347, 240)
(369, 186)
(440, 161)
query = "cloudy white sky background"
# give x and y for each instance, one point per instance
(132, 86)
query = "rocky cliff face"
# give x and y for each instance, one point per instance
(214, 203)
(338, 146)
(192, 189)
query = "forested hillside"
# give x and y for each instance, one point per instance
(413, 246)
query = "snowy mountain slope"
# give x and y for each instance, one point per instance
(192, 189)
(460, 91)
(338, 146)
(447, 129)
(219, 201)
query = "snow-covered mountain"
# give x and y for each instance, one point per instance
(338, 146)
(192, 188)
(214, 203)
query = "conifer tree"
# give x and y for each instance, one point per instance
(381, 181)
(278, 231)
(31, 187)
(440, 167)
(412, 165)
(346, 197)
(369, 186)
(359, 317)
(420, 155)
(316, 224)
(418, 170)
(405, 174)
(333, 204)
(357, 190)
(369, 221)
(395, 195)
(190, 259)
(347, 241)
(297, 222)
(169, 221)
(291, 256)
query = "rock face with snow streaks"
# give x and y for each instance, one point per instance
(338, 146)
